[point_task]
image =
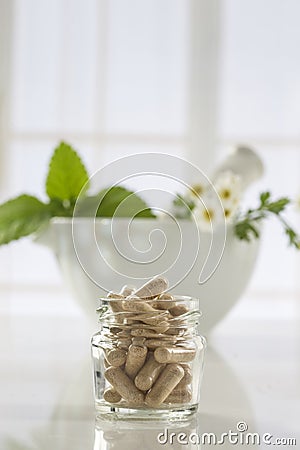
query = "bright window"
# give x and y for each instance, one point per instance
(184, 77)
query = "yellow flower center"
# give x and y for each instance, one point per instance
(208, 215)
(197, 189)
(225, 193)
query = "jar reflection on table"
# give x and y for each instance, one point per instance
(130, 435)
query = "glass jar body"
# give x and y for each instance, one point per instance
(148, 362)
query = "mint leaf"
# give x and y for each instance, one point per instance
(264, 197)
(67, 174)
(244, 230)
(115, 201)
(245, 227)
(278, 206)
(22, 216)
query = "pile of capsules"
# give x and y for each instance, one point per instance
(149, 361)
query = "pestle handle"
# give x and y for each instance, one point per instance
(245, 162)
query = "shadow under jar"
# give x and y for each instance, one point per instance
(148, 358)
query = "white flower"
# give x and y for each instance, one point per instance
(230, 212)
(196, 191)
(229, 188)
(208, 213)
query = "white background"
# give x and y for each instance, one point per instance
(190, 78)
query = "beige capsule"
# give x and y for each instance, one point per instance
(148, 374)
(187, 378)
(174, 354)
(179, 396)
(164, 385)
(152, 319)
(112, 294)
(166, 296)
(124, 343)
(155, 343)
(165, 301)
(116, 357)
(152, 288)
(138, 340)
(135, 360)
(159, 329)
(144, 332)
(127, 290)
(134, 304)
(162, 327)
(110, 395)
(115, 330)
(124, 386)
(175, 331)
(115, 305)
(178, 310)
(131, 322)
(123, 334)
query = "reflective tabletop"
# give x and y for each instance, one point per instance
(251, 386)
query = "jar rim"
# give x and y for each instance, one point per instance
(176, 298)
(153, 318)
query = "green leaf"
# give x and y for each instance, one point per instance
(183, 207)
(67, 174)
(278, 206)
(244, 230)
(245, 226)
(264, 197)
(115, 201)
(22, 216)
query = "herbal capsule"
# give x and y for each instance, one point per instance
(144, 333)
(175, 331)
(116, 305)
(178, 310)
(174, 354)
(123, 334)
(135, 360)
(110, 395)
(153, 319)
(179, 396)
(124, 386)
(112, 294)
(124, 344)
(162, 327)
(187, 378)
(116, 357)
(115, 330)
(159, 329)
(139, 340)
(163, 302)
(164, 385)
(127, 290)
(155, 343)
(148, 374)
(134, 304)
(152, 288)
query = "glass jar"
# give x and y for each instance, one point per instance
(148, 357)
